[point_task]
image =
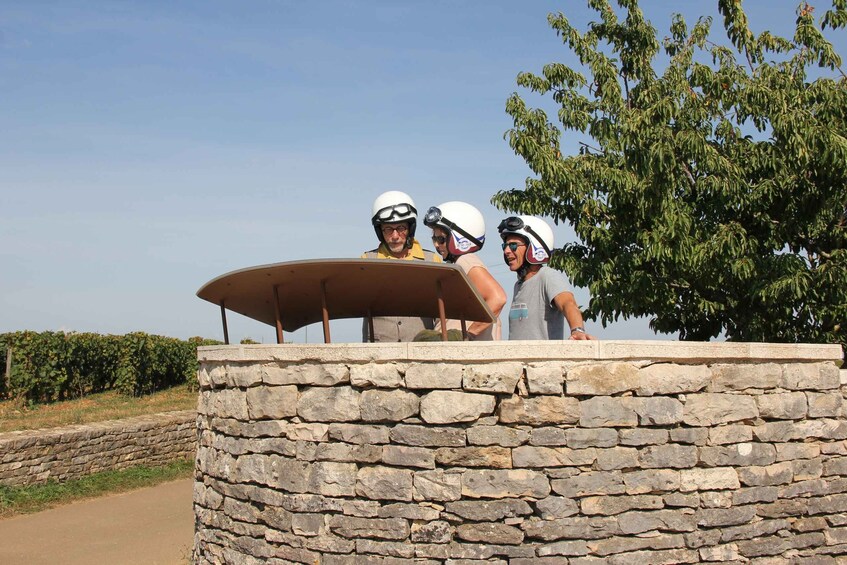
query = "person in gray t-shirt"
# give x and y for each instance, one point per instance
(541, 302)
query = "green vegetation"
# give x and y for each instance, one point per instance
(23, 500)
(19, 415)
(709, 192)
(50, 366)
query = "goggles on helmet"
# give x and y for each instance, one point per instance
(398, 212)
(514, 224)
(434, 217)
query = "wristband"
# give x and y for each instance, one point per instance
(578, 329)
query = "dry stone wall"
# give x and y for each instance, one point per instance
(609, 452)
(34, 456)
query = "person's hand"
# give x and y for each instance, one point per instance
(581, 336)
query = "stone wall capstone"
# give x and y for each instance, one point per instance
(521, 453)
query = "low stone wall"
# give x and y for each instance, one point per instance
(34, 456)
(521, 453)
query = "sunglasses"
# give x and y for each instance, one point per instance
(513, 245)
(439, 239)
(386, 230)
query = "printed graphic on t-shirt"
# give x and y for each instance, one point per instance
(519, 311)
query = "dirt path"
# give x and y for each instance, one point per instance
(151, 526)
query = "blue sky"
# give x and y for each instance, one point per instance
(149, 147)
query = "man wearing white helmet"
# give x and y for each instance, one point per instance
(458, 232)
(541, 302)
(394, 219)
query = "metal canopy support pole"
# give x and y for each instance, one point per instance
(464, 330)
(278, 315)
(223, 319)
(325, 312)
(371, 326)
(441, 315)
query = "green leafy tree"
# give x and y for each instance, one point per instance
(709, 193)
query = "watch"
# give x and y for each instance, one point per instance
(578, 329)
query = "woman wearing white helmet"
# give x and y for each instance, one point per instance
(394, 218)
(458, 232)
(541, 302)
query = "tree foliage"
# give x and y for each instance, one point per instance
(711, 194)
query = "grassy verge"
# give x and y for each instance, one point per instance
(34, 498)
(15, 415)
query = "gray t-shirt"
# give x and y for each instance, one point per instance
(533, 315)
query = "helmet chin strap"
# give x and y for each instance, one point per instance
(522, 270)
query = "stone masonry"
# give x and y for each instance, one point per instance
(521, 453)
(34, 456)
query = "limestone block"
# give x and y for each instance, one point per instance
(317, 374)
(423, 436)
(668, 456)
(489, 510)
(655, 540)
(372, 375)
(708, 409)
(801, 430)
(555, 507)
(307, 432)
(653, 481)
(511, 483)
(549, 436)
(738, 455)
(745, 376)
(810, 376)
(307, 524)
(434, 376)
(437, 531)
(490, 533)
(539, 411)
(643, 436)
(575, 527)
(329, 404)
(590, 483)
(388, 405)
(776, 474)
(271, 402)
(835, 466)
(824, 405)
(732, 433)
(752, 495)
(676, 520)
(671, 378)
(367, 548)
(656, 411)
(232, 402)
(437, 485)
(497, 435)
(545, 378)
(723, 553)
(782, 406)
(578, 438)
(492, 377)
(496, 457)
(606, 411)
(603, 379)
(570, 548)
(405, 456)
(447, 407)
(789, 451)
(655, 556)
(617, 458)
(358, 433)
(718, 478)
(413, 511)
(384, 483)
(531, 456)
(754, 530)
(611, 505)
(693, 436)
(380, 528)
(345, 453)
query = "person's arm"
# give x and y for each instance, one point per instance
(566, 304)
(491, 292)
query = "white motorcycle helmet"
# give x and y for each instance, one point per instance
(393, 207)
(464, 224)
(536, 232)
